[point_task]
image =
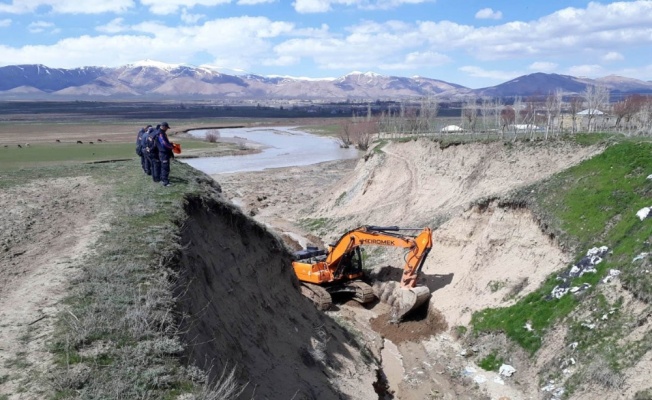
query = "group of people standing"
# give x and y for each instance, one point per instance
(155, 151)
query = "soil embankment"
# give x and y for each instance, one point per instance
(241, 308)
(484, 255)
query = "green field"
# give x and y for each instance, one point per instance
(41, 154)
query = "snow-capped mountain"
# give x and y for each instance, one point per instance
(150, 79)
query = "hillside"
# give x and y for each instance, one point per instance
(500, 242)
(114, 287)
(163, 293)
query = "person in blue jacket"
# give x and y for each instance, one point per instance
(165, 153)
(141, 146)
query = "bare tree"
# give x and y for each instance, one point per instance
(529, 115)
(627, 108)
(596, 98)
(551, 112)
(485, 109)
(470, 113)
(507, 118)
(428, 114)
(345, 134)
(559, 94)
(362, 132)
(518, 107)
(498, 108)
(575, 107)
(643, 116)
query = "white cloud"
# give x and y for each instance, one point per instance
(488, 13)
(613, 56)
(68, 6)
(366, 46)
(417, 59)
(253, 2)
(543, 66)
(150, 42)
(114, 26)
(320, 6)
(588, 70)
(39, 26)
(311, 6)
(190, 18)
(568, 31)
(282, 61)
(5, 23)
(478, 72)
(163, 7)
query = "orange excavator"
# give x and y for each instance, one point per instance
(339, 270)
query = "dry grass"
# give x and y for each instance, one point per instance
(225, 387)
(118, 336)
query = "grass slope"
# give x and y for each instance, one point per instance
(591, 204)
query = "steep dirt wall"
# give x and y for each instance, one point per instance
(489, 256)
(420, 182)
(240, 306)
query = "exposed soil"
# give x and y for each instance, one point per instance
(241, 303)
(242, 308)
(482, 256)
(46, 229)
(420, 324)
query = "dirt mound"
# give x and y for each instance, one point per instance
(418, 181)
(421, 324)
(240, 306)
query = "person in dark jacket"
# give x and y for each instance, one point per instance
(141, 142)
(165, 153)
(151, 148)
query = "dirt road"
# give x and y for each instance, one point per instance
(47, 228)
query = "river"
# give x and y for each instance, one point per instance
(281, 147)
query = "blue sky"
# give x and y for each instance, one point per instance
(468, 42)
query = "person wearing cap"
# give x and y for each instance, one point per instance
(165, 153)
(144, 160)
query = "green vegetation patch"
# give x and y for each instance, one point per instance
(50, 154)
(592, 204)
(491, 362)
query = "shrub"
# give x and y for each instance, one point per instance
(212, 135)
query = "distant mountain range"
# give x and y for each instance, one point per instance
(154, 80)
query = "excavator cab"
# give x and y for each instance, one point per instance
(351, 264)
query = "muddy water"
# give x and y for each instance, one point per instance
(281, 147)
(392, 363)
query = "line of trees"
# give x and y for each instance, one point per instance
(535, 116)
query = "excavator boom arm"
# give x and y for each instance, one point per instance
(419, 246)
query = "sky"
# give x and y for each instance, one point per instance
(468, 42)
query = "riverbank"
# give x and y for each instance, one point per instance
(276, 146)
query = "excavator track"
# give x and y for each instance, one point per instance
(318, 295)
(363, 292)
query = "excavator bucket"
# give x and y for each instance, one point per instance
(408, 300)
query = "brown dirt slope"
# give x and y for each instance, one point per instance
(241, 307)
(420, 182)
